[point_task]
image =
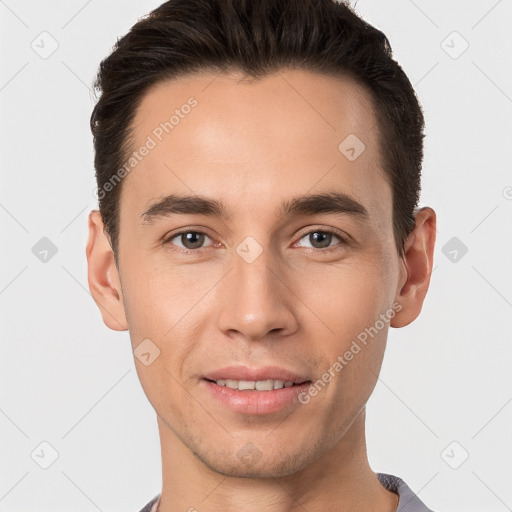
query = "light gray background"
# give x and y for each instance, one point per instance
(69, 381)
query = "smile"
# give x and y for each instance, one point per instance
(259, 385)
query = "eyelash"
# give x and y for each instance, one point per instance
(331, 231)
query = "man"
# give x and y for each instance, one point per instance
(258, 168)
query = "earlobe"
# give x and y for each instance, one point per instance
(417, 265)
(103, 276)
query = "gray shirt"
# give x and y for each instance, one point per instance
(408, 501)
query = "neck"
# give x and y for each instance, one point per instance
(341, 476)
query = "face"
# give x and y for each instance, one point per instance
(280, 260)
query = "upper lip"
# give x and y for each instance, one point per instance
(256, 374)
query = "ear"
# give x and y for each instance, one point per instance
(416, 268)
(103, 275)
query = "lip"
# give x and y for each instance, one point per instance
(264, 373)
(256, 402)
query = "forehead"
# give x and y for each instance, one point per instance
(252, 142)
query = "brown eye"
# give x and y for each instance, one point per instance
(189, 240)
(323, 239)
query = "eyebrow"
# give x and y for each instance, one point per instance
(337, 203)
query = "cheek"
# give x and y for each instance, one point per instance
(346, 298)
(348, 306)
(160, 305)
(156, 297)
(163, 305)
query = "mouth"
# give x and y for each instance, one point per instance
(256, 391)
(258, 385)
(230, 375)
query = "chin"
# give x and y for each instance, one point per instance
(249, 462)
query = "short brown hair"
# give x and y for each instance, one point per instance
(258, 37)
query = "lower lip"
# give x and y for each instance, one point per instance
(256, 402)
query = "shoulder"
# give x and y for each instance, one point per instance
(151, 506)
(408, 501)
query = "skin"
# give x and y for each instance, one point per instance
(253, 145)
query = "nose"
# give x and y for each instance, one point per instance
(256, 300)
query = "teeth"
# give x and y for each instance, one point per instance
(264, 385)
(260, 385)
(233, 384)
(246, 384)
(278, 384)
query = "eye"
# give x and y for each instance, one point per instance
(190, 240)
(321, 239)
